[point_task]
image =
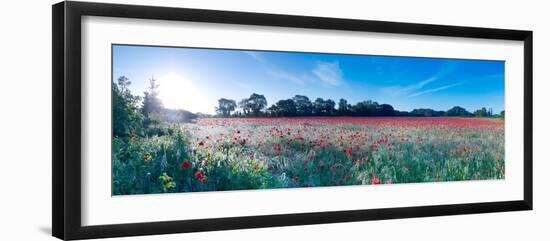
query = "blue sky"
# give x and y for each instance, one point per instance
(194, 79)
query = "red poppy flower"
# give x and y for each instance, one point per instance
(198, 175)
(203, 179)
(185, 165)
(376, 182)
(201, 143)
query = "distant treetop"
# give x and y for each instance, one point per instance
(300, 105)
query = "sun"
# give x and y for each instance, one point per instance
(178, 92)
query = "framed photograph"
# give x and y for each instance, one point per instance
(169, 120)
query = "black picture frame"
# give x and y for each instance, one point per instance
(66, 128)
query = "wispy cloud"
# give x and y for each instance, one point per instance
(275, 72)
(408, 89)
(419, 88)
(435, 89)
(420, 84)
(256, 56)
(287, 76)
(329, 73)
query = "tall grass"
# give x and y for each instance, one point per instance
(237, 154)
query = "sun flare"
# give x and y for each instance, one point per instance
(178, 92)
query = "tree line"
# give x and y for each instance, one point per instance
(135, 115)
(256, 106)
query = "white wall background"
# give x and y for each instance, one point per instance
(25, 119)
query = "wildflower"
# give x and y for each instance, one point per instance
(147, 157)
(185, 165)
(198, 175)
(203, 179)
(376, 182)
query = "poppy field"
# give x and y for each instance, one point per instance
(208, 119)
(216, 154)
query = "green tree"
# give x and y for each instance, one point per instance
(323, 107)
(273, 111)
(318, 106)
(365, 108)
(151, 101)
(330, 107)
(457, 111)
(386, 110)
(343, 107)
(304, 107)
(245, 105)
(427, 112)
(481, 112)
(127, 119)
(253, 105)
(225, 106)
(285, 108)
